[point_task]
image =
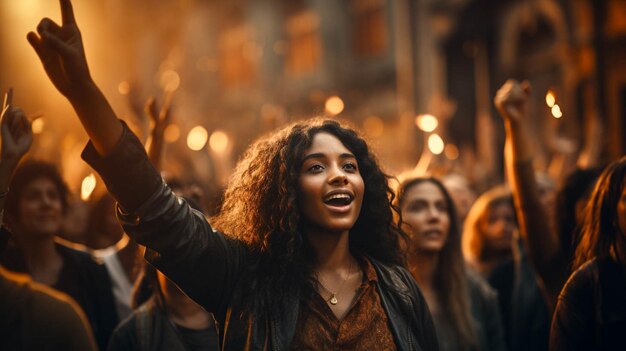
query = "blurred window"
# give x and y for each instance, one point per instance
(237, 59)
(304, 50)
(370, 27)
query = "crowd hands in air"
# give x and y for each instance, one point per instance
(308, 244)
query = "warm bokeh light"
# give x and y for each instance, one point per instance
(451, 152)
(37, 125)
(334, 105)
(171, 133)
(426, 122)
(87, 187)
(435, 144)
(373, 126)
(556, 111)
(550, 98)
(218, 141)
(123, 88)
(197, 138)
(170, 80)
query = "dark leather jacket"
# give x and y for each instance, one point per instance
(208, 265)
(591, 311)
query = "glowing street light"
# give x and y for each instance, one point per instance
(218, 141)
(197, 138)
(87, 187)
(556, 111)
(334, 105)
(435, 144)
(426, 122)
(37, 125)
(550, 99)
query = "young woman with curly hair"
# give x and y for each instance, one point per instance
(464, 307)
(311, 259)
(591, 311)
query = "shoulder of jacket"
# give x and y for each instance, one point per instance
(394, 277)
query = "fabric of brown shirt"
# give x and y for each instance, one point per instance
(364, 327)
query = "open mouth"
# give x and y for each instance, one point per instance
(432, 234)
(338, 199)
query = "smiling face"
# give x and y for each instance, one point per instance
(330, 185)
(40, 209)
(425, 212)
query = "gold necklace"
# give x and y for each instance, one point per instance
(333, 296)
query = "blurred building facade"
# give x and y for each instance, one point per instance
(246, 67)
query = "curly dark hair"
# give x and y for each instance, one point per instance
(260, 208)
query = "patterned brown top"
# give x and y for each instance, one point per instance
(364, 327)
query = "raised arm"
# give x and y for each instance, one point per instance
(181, 243)
(17, 137)
(540, 241)
(61, 51)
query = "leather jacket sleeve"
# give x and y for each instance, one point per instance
(573, 324)
(180, 242)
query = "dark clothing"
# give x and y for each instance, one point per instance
(83, 279)
(149, 329)
(209, 266)
(364, 327)
(486, 314)
(35, 317)
(591, 311)
(524, 307)
(486, 320)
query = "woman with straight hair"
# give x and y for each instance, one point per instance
(591, 311)
(464, 307)
(311, 257)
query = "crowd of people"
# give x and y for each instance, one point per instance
(314, 246)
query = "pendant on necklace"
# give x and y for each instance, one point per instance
(333, 300)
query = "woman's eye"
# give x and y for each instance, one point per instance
(315, 168)
(350, 166)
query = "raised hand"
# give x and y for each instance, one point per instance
(512, 99)
(17, 136)
(60, 49)
(160, 119)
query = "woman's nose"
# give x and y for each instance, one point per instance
(338, 177)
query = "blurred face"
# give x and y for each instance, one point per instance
(40, 209)
(461, 194)
(425, 213)
(330, 185)
(498, 227)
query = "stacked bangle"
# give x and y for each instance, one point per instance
(4, 194)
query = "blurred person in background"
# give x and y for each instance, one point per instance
(32, 316)
(492, 247)
(115, 249)
(591, 310)
(33, 213)
(464, 307)
(489, 230)
(164, 317)
(462, 193)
